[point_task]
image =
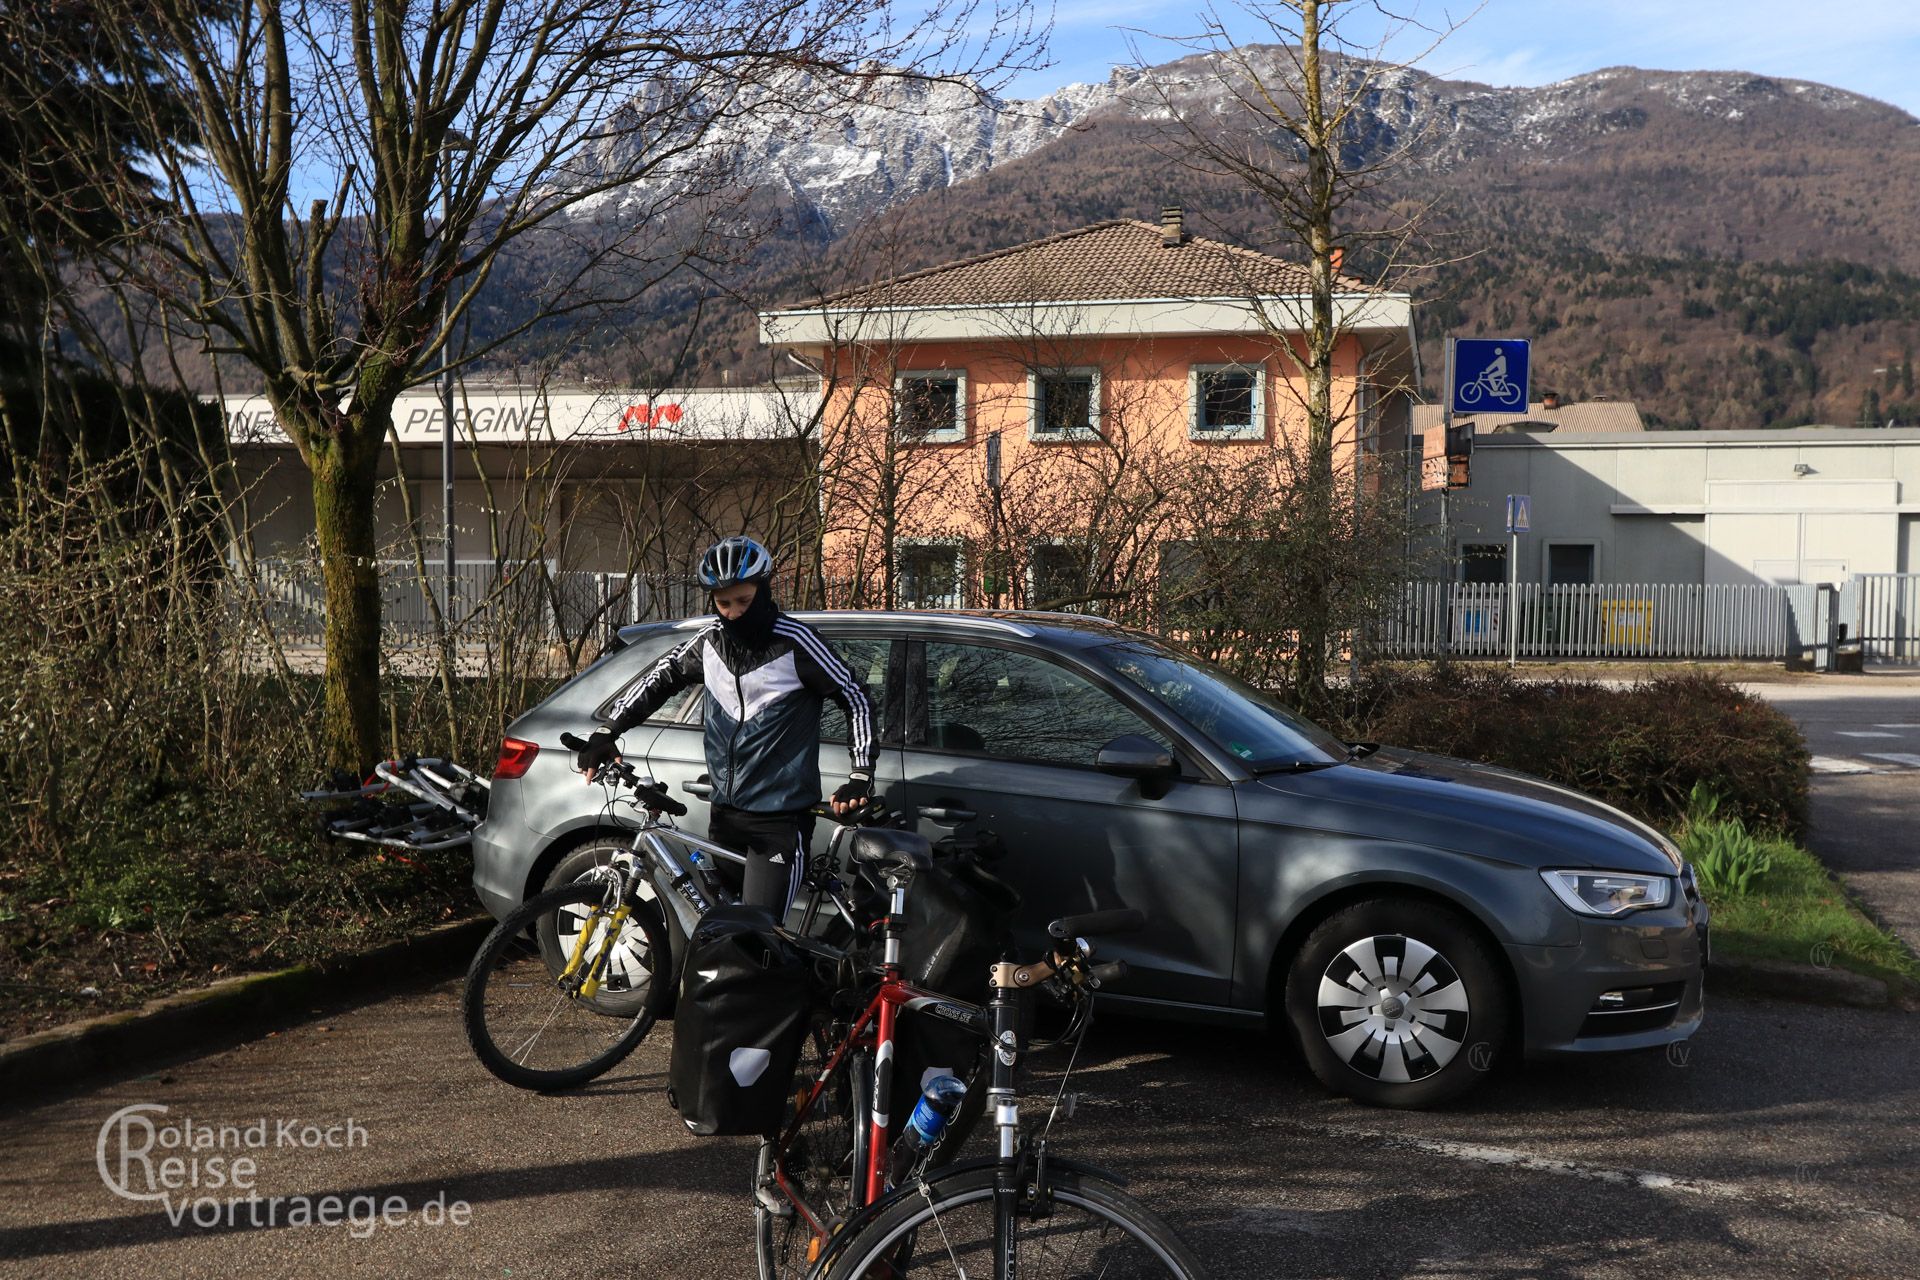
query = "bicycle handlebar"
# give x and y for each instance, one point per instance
(871, 814)
(651, 795)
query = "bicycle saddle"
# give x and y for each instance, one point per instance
(887, 849)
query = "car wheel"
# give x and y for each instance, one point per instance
(598, 852)
(1398, 1003)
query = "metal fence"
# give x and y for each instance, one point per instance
(1882, 614)
(1604, 620)
(488, 596)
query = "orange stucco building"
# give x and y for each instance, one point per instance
(1049, 424)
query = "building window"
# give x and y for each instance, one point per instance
(1065, 404)
(1570, 563)
(1190, 580)
(1055, 572)
(928, 575)
(1483, 562)
(1229, 401)
(931, 405)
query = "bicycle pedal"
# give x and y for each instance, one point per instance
(777, 1205)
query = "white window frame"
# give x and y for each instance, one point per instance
(959, 598)
(1257, 431)
(946, 435)
(1089, 432)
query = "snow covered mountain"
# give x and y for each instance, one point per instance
(842, 157)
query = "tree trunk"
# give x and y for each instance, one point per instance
(1315, 624)
(343, 500)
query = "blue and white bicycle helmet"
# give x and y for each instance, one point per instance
(733, 560)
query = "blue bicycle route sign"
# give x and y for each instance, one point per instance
(1489, 376)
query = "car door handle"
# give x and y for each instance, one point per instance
(701, 788)
(941, 814)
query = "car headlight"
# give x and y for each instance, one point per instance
(1608, 893)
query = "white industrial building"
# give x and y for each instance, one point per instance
(1782, 507)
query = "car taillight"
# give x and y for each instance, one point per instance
(516, 757)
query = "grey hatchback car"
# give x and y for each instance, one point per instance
(1407, 918)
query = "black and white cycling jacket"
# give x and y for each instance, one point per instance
(762, 711)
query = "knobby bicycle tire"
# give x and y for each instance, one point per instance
(945, 1230)
(531, 1033)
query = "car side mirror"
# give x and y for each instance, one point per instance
(1133, 755)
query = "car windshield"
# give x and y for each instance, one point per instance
(1233, 713)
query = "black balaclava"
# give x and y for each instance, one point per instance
(755, 626)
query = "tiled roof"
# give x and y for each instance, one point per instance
(1109, 261)
(1579, 416)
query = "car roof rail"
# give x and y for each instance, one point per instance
(1018, 622)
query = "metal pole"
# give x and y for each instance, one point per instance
(1513, 598)
(1446, 486)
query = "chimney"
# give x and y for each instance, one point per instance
(1173, 226)
(1338, 258)
(1550, 400)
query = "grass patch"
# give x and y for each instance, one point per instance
(1795, 912)
(1773, 900)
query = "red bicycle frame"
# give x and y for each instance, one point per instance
(878, 1021)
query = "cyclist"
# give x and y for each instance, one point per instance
(764, 676)
(1495, 375)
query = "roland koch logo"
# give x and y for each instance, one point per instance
(207, 1175)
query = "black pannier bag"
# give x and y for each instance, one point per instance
(739, 1025)
(958, 920)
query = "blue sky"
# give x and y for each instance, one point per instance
(1868, 46)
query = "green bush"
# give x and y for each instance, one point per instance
(1642, 748)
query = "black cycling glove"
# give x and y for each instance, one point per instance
(856, 790)
(601, 749)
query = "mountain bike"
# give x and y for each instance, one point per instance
(823, 1204)
(572, 980)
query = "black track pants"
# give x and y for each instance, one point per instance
(776, 849)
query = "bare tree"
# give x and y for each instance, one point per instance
(364, 168)
(1284, 119)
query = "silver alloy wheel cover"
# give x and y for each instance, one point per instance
(1393, 1008)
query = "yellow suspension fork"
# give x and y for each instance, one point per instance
(592, 985)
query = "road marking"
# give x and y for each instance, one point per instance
(1838, 764)
(1645, 1179)
(1907, 758)
(1864, 733)
(1479, 1153)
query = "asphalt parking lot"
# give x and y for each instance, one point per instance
(1785, 1141)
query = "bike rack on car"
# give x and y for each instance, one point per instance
(448, 802)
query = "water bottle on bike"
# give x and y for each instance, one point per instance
(938, 1101)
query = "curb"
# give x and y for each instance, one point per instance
(227, 1011)
(1782, 980)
